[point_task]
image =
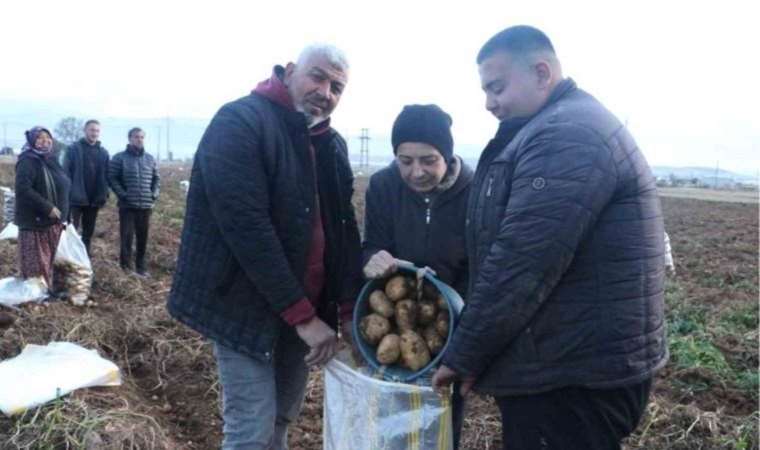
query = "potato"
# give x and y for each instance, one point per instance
(433, 340)
(380, 304)
(427, 312)
(429, 291)
(414, 352)
(374, 327)
(442, 324)
(406, 315)
(441, 302)
(389, 349)
(397, 288)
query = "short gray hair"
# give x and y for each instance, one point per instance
(334, 55)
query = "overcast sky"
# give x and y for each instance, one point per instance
(684, 76)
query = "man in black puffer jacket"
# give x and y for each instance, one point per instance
(86, 164)
(270, 252)
(133, 177)
(564, 319)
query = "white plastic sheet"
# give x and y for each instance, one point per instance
(9, 232)
(364, 413)
(43, 373)
(669, 263)
(15, 291)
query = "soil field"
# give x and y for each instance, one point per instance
(712, 195)
(706, 398)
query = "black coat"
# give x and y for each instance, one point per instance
(564, 235)
(133, 177)
(248, 226)
(37, 193)
(426, 230)
(73, 165)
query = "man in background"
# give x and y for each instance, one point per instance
(133, 177)
(86, 164)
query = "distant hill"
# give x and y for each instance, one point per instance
(707, 176)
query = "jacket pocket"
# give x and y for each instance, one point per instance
(227, 276)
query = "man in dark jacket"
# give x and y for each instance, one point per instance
(133, 177)
(564, 320)
(270, 252)
(86, 164)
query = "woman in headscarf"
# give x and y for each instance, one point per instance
(415, 208)
(42, 205)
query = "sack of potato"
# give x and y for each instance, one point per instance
(74, 280)
(402, 325)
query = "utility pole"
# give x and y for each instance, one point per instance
(158, 151)
(168, 138)
(364, 150)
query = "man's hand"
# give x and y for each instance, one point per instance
(55, 213)
(346, 330)
(321, 340)
(380, 265)
(443, 378)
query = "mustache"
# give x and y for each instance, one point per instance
(319, 100)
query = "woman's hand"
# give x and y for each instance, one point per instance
(380, 265)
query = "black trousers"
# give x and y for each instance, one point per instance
(86, 217)
(133, 223)
(572, 418)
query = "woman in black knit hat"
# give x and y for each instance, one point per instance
(42, 204)
(415, 208)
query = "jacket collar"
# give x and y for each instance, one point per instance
(131, 149)
(510, 127)
(85, 144)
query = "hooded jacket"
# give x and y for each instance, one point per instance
(249, 226)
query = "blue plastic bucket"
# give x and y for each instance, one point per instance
(362, 308)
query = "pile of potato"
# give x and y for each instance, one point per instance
(409, 324)
(75, 280)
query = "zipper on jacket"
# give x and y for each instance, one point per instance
(490, 185)
(427, 212)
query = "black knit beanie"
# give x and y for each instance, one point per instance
(424, 123)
